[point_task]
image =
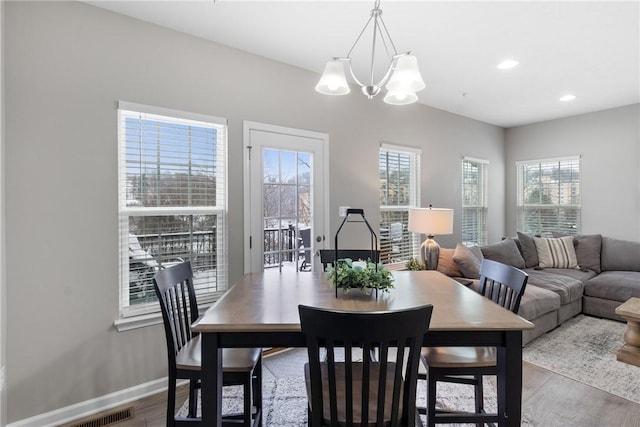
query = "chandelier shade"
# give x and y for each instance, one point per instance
(333, 80)
(401, 79)
(400, 98)
(406, 75)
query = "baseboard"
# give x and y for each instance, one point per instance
(93, 406)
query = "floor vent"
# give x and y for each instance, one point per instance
(107, 418)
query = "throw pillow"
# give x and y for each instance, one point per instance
(556, 252)
(468, 261)
(505, 252)
(529, 251)
(588, 247)
(446, 264)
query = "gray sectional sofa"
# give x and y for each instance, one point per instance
(599, 274)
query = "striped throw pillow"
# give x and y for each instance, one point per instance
(556, 252)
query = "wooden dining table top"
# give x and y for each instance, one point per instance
(268, 302)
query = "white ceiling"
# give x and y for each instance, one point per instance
(590, 49)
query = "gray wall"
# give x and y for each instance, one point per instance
(609, 143)
(67, 66)
(3, 282)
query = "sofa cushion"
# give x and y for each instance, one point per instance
(505, 252)
(537, 301)
(529, 251)
(574, 273)
(556, 252)
(446, 265)
(614, 285)
(620, 255)
(568, 288)
(588, 248)
(468, 260)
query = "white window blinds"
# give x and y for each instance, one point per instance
(172, 201)
(399, 190)
(549, 196)
(474, 201)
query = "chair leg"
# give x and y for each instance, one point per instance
(248, 399)
(431, 398)
(171, 402)
(257, 391)
(193, 398)
(479, 396)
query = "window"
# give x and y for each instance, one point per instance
(549, 196)
(474, 201)
(399, 190)
(172, 201)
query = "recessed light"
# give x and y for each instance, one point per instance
(567, 97)
(508, 63)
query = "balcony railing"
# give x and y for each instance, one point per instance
(280, 245)
(157, 251)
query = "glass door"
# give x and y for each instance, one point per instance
(285, 173)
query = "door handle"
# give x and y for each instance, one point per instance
(318, 239)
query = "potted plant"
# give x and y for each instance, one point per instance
(414, 265)
(364, 275)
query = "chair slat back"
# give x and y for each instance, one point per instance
(328, 256)
(396, 336)
(502, 284)
(175, 292)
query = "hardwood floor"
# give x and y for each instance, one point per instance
(549, 400)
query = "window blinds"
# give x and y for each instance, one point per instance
(172, 196)
(549, 196)
(474, 201)
(399, 182)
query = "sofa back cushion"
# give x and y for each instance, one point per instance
(529, 251)
(556, 252)
(506, 252)
(620, 255)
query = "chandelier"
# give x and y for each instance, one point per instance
(402, 78)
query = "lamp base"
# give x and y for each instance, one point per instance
(430, 252)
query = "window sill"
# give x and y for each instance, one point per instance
(135, 322)
(144, 320)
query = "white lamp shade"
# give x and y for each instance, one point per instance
(400, 98)
(431, 221)
(333, 80)
(406, 76)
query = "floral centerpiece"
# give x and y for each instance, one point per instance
(364, 275)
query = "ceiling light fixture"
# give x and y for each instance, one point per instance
(567, 97)
(402, 77)
(508, 63)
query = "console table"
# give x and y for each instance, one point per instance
(630, 352)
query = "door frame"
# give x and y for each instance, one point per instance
(248, 126)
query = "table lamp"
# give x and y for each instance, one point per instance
(430, 221)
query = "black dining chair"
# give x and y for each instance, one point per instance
(369, 392)
(241, 366)
(328, 256)
(504, 285)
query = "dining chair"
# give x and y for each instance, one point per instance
(241, 366)
(504, 285)
(343, 391)
(328, 256)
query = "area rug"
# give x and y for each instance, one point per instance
(584, 349)
(285, 401)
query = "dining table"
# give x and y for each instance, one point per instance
(261, 310)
